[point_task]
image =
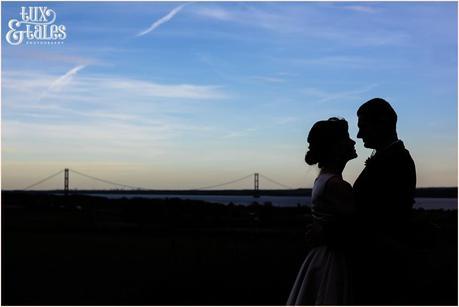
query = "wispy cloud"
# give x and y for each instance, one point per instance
(57, 85)
(147, 88)
(268, 79)
(336, 60)
(162, 20)
(285, 120)
(239, 133)
(100, 140)
(360, 8)
(277, 20)
(215, 13)
(53, 56)
(97, 89)
(343, 61)
(311, 22)
(63, 80)
(321, 96)
(108, 117)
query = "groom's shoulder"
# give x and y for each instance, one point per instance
(394, 162)
(399, 161)
(398, 152)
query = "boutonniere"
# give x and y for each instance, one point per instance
(370, 158)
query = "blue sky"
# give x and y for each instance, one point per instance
(183, 95)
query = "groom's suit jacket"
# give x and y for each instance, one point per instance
(384, 191)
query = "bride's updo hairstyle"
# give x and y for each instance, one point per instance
(322, 138)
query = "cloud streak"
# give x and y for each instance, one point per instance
(215, 13)
(239, 133)
(97, 90)
(310, 22)
(63, 80)
(162, 20)
(109, 117)
(268, 79)
(165, 90)
(360, 8)
(322, 96)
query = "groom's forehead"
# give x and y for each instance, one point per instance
(366, 122)
(363, 120)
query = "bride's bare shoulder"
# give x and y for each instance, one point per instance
(337, 186)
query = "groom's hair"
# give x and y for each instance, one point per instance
(380, 112)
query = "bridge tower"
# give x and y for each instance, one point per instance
(256, 185)
(66, 181)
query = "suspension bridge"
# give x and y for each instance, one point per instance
(67, 171)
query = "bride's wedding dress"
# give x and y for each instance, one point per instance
(324, 277)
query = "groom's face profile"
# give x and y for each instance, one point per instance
(367, 132)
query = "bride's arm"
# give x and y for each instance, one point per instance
(329, 222)
(339, 192)
(339, 230)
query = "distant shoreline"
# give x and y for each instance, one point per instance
(443, 192)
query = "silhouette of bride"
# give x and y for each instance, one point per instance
(325, 277)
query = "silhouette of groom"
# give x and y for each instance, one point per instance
(384, 196)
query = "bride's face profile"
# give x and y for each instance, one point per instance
(329, 144)
(345, 149)
(348, 149)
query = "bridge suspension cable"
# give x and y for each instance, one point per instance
(275, 182)
(225, 183)
(108, 181)
(43, 180)
(143, 188)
